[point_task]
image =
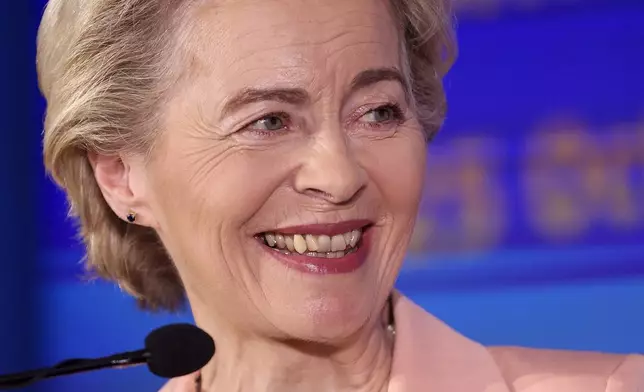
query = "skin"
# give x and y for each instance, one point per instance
(216, 178)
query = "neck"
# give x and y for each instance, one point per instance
(362, 363)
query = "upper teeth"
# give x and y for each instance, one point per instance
(303, 243)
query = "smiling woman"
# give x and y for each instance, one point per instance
(265, 159)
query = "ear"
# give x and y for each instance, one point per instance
(123, 183)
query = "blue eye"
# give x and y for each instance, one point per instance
(272, 122)
(382, 114)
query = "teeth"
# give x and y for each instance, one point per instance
(337, 243)
(311, 243)
(319, 245)
(355, 237)
(279, 239)
(299, 244)
(334, 255)
(270, 239)
(289, 243)
(324, 243)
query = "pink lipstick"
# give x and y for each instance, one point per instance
(334, 248)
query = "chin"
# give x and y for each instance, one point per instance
(325, 318)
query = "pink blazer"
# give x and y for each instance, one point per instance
(429, 356)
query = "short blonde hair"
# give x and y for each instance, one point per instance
(104, 66)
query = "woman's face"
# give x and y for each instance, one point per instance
(287, 177)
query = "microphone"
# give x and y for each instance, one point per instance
(171, 351)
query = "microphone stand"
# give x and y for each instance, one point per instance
(73, 366)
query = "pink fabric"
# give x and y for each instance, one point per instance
(431, 357)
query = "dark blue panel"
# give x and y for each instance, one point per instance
(17, 202)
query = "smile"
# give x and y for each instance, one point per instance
(320, 249)
(315, 245)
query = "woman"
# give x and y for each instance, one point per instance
(265, 159)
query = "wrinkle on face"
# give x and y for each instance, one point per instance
(319, 38)
(216, 185)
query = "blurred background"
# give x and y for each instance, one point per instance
(531, 230)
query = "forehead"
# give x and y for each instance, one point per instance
(290, 41)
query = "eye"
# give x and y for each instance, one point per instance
(271, 122)
(382, 114)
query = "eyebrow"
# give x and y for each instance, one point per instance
(370, 77)
(293, 96)
(299, 97)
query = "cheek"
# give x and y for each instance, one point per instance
(397, 166)
(204, 200)
(214, 192)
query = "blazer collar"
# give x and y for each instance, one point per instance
(429, 356)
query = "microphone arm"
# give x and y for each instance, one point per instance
(170, 351)
(73, 366)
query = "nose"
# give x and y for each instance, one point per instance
(330, 171)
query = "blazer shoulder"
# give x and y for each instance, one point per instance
(629, 376)
(538, 370)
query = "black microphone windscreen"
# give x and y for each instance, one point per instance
(178, 349)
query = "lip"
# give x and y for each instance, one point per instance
(329, 229)
(323, 266)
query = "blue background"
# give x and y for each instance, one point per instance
(531, 230)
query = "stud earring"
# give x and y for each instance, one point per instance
(131, 217)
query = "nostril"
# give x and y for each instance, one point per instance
(339, 199)
(319, 194)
